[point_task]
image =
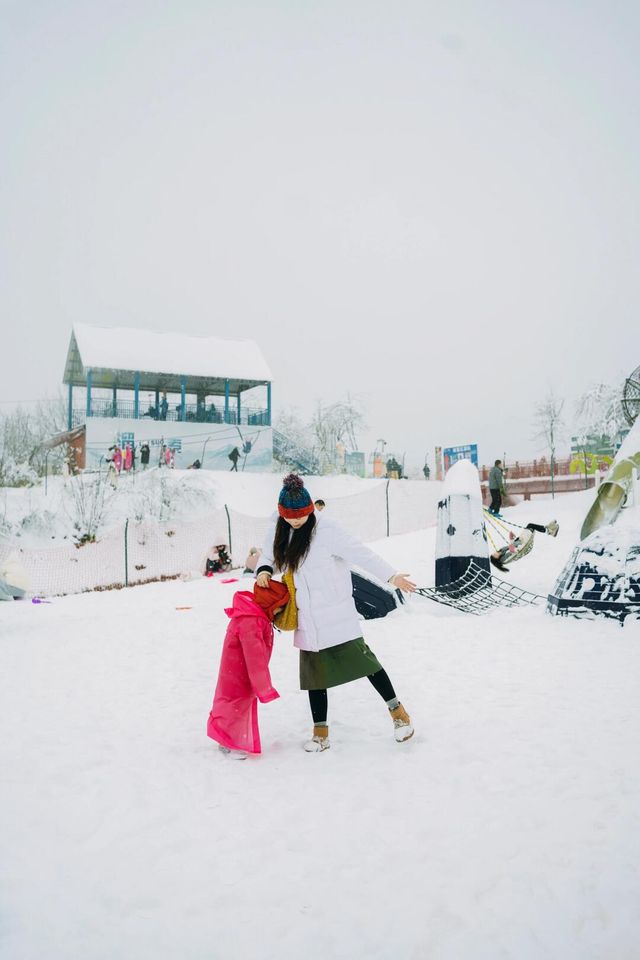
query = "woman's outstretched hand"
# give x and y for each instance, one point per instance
(263, 579)
(401, 581)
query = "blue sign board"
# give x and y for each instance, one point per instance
(467, 451)
(354, 464)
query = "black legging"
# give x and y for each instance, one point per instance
(318, 700)
(496, 500)
(537, 527)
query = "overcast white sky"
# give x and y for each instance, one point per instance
(433, 205)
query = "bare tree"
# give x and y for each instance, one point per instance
(550, 424)
(90, 495)
(333, 424)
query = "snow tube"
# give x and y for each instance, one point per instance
(373, 601)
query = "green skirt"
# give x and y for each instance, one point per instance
(336, 665)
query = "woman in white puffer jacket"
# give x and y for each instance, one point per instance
(315, 555)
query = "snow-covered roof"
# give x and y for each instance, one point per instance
(150, 351)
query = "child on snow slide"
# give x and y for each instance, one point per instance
(243, 675)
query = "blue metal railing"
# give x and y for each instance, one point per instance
(125, 409)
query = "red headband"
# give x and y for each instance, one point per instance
(289, 513)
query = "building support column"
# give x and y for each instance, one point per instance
(70, 407)
(89, 380)
(269, 404)
(226, 401)
(183, 398)
(114, 402)
(136, 396)
(239, 408)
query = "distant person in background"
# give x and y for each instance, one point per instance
(169, 457)
(117, 458)
(394, 470)
(112, 473)
(319, 505)
(144, 455)
(426, 471)
(496, 486)
(251, 562)
(164, 407)
(128, 457)
(195, 465)
(234, 456)
(218, 560)
(162, 459)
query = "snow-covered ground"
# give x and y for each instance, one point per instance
(509, 827)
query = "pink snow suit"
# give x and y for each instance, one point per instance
(128, 458)
(117, 459)
(243, 677)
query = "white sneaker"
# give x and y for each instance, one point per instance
(233, 754)
(552, 528)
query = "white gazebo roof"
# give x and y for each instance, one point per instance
(150, 351)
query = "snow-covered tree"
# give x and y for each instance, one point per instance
(599, 414)
(333, 424)
(293, 441)
(22, 433)
(17, 446)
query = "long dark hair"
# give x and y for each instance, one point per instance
(290, 546)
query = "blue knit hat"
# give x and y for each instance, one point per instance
(294, 500)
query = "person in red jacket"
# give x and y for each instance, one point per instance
(243, 675)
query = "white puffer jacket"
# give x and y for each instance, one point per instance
(327, 614)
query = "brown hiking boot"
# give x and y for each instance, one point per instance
(403, 728)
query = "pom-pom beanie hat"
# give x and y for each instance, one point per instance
(294, 500)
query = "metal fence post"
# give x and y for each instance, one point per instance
(126, 553)
(387, 500)
(226, 508)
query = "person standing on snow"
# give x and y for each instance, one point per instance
(496, 486)
(313, 554)
(243, 675)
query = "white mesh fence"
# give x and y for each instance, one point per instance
(412, 506)
(140, 551)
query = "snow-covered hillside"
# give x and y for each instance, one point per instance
(507, 828)
(44, 513)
